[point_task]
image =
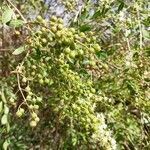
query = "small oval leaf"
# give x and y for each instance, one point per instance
(6, 110)
(5, 145)
(19, 50)
(1, 106)
(7, 15)
(16, 23)
(4, 119)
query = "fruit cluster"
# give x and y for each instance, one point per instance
(55, 76)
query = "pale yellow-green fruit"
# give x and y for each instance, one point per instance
(33, 123)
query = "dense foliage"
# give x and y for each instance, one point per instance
(78, 85)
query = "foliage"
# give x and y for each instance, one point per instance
(85, 86)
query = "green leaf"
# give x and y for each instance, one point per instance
(4, 119)
(1, 106)
(96, 15)
(16, 23)
(6, 110)
(19, 50)
(85, 28)
(5, 145)
(7, 15)
(120, 6)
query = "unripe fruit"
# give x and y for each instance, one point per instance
(33, 73)
(92, 63)
(28, 97)
(43, 29)
(33, 123)
(60, 20)
(39, 18)
(72, 30)
(58, 34)
(20, 112)
(54, 29)
(72, 54)
(24, 79)
(11, 100)
(82, 34)
(44, 41)
(93, 90)
(34, 100)
(54, 18)
(97, 47)
(39, 32)
(39, 99)
(41, 81)
(37, 119)
(67, 50)
(33, 115)
(36, 106)
(91, 50)
(60, 26)
(31, 106)
(40, 76)
(46, 80)
(33, 66)
(80, 52)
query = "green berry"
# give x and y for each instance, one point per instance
(33, 123)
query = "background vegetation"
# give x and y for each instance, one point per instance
(75, 75)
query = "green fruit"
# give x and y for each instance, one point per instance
(11, 100)
(19, 114)
(36, 106)
(58, 34)
(33, 73)
(46, 80)
(60, 20)
(91, 50)
(40, 76)
(29, 97)
(24, 79)
(37, 119)
(97, 47)
(44, 29)
(39, 99)
(33, 115)
(60, 27)
(82, 34)
(34, 100)
(72, 30)
(41, 81)
(39, 32)
(93, 90)
(31, 107)
(33, 123)
(54, 29)
(80, 52)
(92, 63)
(53, 18)
(72, 54)
(67, 50)
(33, 66)
(44, 41)
(39, 18)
